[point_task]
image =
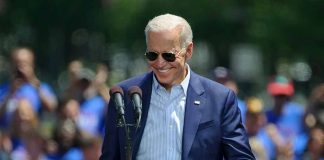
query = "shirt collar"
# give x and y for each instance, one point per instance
(184, 84)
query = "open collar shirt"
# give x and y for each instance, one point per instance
(162, 137)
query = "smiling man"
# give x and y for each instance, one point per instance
(185, 116)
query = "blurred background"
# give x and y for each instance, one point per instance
(254, 39)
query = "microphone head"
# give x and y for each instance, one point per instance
(116, 89)
(134, 89)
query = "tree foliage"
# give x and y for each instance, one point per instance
(280, 28)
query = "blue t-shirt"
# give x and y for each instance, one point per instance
(25, 91)
(242, 108)
(290, 127)
(92, 115)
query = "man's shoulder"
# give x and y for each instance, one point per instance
(210, 85)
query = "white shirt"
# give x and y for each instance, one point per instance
(162, 137)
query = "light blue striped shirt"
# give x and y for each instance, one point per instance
(162, 137)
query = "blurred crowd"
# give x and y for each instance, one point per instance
(38, 124)
(286, 130)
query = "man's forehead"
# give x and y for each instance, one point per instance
(23, 55)
(176, 31)
(166, 36)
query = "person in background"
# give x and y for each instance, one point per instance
(314, 121)
(5, 146)
(67, 135)
(70, 109)
(288, 132)
(24, 85)
(69, 81)
(94, 106)
(33, 147)
(185, 116)
(74, 69)
(315, 145)
(91, 147)
(24, 121)
(89, 90)
(223, 76)
(100, 80)
(315, 110)
(255, 121)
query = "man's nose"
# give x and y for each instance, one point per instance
(160, 61)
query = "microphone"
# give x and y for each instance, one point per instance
(135, 93)
(117, 93)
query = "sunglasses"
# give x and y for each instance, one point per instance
(168, 56)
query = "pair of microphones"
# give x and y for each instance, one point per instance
(135, 94)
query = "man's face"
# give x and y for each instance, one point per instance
(23, 57)
(23, 62)
(280, 100)
(168, 73)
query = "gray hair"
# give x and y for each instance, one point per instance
(169, 22)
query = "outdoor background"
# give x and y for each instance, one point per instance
(254, 38)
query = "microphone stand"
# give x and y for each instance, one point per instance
(128, 146)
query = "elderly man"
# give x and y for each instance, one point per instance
(185, 116)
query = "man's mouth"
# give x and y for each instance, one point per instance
(163, 70)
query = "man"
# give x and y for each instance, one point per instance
(185, 116)
(24, 85)
(255, 120)
(287, 116)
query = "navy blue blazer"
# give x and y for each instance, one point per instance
(212, 129)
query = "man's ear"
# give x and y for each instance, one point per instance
(189, 51)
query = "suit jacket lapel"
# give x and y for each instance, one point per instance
(192, 113)
(146, 86)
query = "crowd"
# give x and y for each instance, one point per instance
(286, 130)
(36, 123)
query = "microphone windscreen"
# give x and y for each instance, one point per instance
(116, 89)
(134, 89)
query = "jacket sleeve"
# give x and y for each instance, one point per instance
(234, 138)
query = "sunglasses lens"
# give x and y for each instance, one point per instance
(151, 56)
(170, 57)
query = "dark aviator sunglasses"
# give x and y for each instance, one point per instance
(168, 56)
